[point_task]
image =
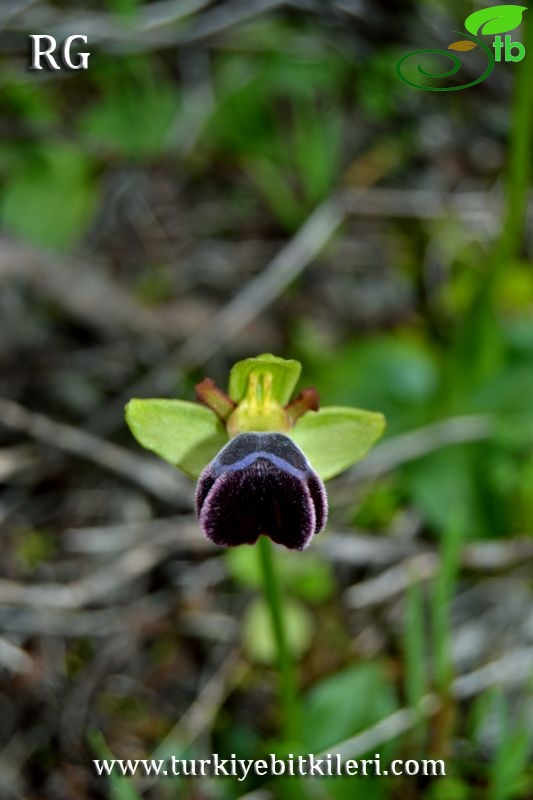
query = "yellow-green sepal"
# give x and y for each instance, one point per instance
(187, 435)
(336, 437)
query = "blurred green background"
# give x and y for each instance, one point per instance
(230, 178)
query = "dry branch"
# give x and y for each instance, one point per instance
(406, 447)
(88, 293)
(164, 25)
(257, 295)
(153, 476)
(511, 669)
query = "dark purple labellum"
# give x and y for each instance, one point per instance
(261, 483)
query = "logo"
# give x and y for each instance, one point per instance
(488, 22)
(43, 46)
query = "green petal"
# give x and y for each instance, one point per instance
(334, 438)
(285, 374)
(186, 434)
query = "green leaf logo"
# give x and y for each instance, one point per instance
(498, 19)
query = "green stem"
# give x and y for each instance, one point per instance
(287, 676)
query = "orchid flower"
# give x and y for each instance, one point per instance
(260, 456)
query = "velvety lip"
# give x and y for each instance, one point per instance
(261, 483)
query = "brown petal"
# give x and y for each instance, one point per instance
(464, 44)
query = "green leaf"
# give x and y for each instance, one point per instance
(310, 578)
(451, 479)
(273, 182)
(50, 197)
(498, 19)
(258, 639)
(186, 434)
(334, 438)
(127, 9)
(243, 565)
(134, 113)
(399, 376)
(285, 374)
(449, 788)
(345, 704)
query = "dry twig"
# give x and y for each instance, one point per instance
(393, 453)
(204, 708)
(513, 668)
(153, 476)
(257, 295)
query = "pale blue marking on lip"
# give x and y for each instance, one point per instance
(245, 461)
